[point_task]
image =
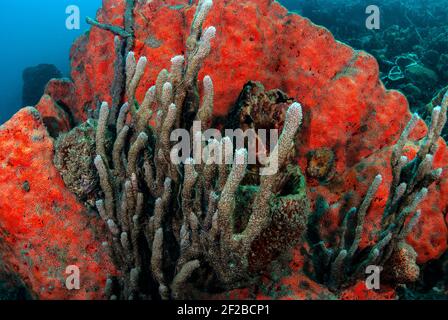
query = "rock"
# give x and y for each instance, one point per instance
(34, 81)
(54, 116)
(45, 229)
(422, 76)
(265, 43)
(431, 58)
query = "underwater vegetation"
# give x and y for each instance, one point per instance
(88, 178)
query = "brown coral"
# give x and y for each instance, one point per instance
(321, 164)
(402, 267)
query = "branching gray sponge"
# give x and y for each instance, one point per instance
(342, 264)
(183, 213)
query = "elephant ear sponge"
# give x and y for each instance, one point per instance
(43, 228)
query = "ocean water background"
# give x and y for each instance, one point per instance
(34, 32)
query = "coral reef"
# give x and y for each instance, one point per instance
(56, 119)
(353, 176)
(42, 226)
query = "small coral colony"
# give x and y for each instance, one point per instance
(208, 157)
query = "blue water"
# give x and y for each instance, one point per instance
(34, 32)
